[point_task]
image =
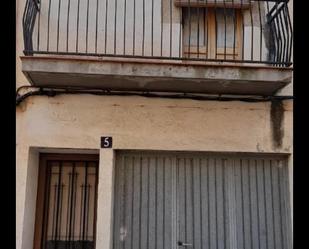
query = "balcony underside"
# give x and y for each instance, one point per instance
(154, 75)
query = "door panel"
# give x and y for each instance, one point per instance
(143, 204)
(66, 201)
(213, 201)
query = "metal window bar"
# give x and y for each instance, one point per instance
(224, 13)
(154, 29)
(252, 31)
(234, 35)
(216, 33)
(206, 25)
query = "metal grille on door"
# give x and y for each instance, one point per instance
(169, 201)
(69, 214)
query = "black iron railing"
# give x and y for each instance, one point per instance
(242, 31)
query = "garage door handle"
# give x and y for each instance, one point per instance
(184, 244)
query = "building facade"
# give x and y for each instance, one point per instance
(154, 124)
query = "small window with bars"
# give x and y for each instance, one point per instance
(66, 203)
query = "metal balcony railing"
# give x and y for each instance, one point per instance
(241, 31)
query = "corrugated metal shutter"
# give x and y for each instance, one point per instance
(208, 201)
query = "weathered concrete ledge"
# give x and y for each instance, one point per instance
(154, 75)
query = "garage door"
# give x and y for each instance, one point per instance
(199, 200)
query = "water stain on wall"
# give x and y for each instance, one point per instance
(276, 117)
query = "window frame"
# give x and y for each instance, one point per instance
(211, 48)
(41, 199)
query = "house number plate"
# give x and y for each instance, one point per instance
(106, 142)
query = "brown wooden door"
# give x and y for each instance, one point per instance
(66, 202)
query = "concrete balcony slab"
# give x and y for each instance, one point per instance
(154, 75)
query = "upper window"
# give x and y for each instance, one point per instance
(212, 33)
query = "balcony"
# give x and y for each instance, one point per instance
(194, 46)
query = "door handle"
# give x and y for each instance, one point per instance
(180, 243)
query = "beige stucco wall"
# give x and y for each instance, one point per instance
(30, 198)
(78, 122)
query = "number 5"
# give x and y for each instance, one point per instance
(106, 142)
